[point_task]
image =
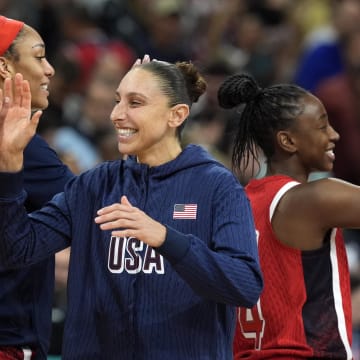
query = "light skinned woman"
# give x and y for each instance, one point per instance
(163, 245)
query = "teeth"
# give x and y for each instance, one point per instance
(126, 132)
(44, 87)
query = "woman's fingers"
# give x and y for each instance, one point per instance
(18, 90)
(25, 96)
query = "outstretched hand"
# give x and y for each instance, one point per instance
(17, 125)
(132, 222)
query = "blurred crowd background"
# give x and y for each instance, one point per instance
(92, 43)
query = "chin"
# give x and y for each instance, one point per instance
(40, 105)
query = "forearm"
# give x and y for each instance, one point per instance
(232, 276)
(11, 163)
(26, 239)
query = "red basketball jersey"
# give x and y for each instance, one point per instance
(305, 308)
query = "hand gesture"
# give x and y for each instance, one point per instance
(131, 222)
(17, 126)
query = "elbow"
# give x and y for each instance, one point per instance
(253, 290)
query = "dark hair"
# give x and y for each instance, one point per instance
(266, 111)
(12, 53)
(181, 82)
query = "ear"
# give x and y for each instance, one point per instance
(5, 68)
(285, 141)
(178, 115)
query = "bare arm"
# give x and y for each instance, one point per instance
(306, 212)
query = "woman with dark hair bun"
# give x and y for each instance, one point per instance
(163, 243)
(304, 311)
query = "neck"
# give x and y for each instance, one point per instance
(164, 155)
(288, 169)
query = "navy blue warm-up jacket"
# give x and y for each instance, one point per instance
(26, 294)
(127, 300)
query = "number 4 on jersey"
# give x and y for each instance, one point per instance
(252, 324)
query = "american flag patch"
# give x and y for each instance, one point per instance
(185, 211)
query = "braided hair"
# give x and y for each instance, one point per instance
(266, 111)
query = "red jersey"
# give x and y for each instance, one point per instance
(304, 310)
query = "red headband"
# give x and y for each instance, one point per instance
(9, 29)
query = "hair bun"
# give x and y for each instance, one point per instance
(237, 89)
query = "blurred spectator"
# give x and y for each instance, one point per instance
(73, 148)
(241, 34)
(209, 125)
(92, 118)
(77, 124)
(154, 27)
(323, 58)
(41, 15)
(80, 132)
(313, 21)
(85, 42)
(112, 65)
(167, 35)
(340, 95)
(251, 50)
(207, 128)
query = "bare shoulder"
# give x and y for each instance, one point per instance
(314, 207)
(324, 192)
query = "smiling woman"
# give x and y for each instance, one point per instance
(304, 311)
(26, 294)
(148, 123)
(26, 55)
(171, 252)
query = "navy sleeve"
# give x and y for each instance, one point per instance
(44, 173)
(228, 271)
(25, 237)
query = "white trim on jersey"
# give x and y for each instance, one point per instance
(279, 195)
(338, 297)
(27, 354)
(335, 273)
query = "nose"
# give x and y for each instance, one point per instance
(49, 70)
(334, 135)
(118, 112)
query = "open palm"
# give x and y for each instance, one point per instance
(17, 126)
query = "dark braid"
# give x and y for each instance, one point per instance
(266, 111)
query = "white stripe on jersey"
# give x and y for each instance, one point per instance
(338, 297)
(279, 195)
(27, 354)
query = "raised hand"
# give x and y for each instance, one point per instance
(17, 124)
(132, 222)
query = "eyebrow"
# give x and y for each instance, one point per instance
(131, 94)
(38, 45)
(324, 115)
